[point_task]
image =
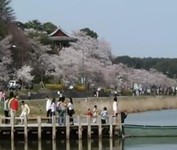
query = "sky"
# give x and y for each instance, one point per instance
(137, 28)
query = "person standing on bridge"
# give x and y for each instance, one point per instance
(115, 109)
(95, 114)
(48, 108)
(13, 106)
(25, 111)
(70, 110)
(6, 110)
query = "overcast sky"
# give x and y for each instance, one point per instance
(138, 28)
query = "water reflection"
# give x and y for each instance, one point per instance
(104, 144)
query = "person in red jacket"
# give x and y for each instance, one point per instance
(89, 113)
(13, 105)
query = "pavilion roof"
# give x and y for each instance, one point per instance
(60, 35)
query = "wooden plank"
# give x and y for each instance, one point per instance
(99, 127)
(100, 144)
(39, 127)
(12, 127)
(111, 143)
(26, 145)
(89, 144)
(119, 122)
(53, 127)
(39, 145)
(80, 145)
(12, 145)
(88, 127)
(110, 126)
(79, 127)
(67, 127)
(54, 145)
(68, 145)
(25, 128)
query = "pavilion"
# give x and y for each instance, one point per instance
(61, 38)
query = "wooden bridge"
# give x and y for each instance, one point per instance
(38, 128)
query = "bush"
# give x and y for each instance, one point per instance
(55, 86)
(80, 88)
(126, 92)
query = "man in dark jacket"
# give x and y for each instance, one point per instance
(123, 117)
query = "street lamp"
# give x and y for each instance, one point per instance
(83, 63)
(14, 46)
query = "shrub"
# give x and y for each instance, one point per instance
(80, 88)
(55, 86)
(126, 92)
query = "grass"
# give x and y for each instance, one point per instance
(128, 104)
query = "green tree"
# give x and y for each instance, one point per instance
(49, 27)
(34, 24)
(6, 16)
(90, 33)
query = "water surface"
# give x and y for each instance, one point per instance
(106, 144)
(163, 117)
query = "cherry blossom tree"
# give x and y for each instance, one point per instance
(24, 74)
(5, 59)
(84, 58)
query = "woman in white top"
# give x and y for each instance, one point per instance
(48, 108)
(95, 113)
(53, 107)
(115, 109)
(115, 106)
(70, 109)
(25, 111)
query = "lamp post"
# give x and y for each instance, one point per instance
(14, 46)
(83, 63)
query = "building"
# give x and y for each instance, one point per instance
(60, 38)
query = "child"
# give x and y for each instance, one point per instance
(89, 113)
(104, 115)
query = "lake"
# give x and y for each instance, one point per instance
(106, 144)
(164, 117)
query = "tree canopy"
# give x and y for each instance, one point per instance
(165, 65)
(6, 16)
(90, 33)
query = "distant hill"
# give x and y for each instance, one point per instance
(167, 66)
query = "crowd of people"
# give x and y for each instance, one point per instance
(59, 108)
(11, 107)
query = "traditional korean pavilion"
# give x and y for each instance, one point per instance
(61, 38)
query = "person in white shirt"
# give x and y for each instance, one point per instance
(95, 113)
(115, 109)
(70, 109)
(104, 115)
(53, 107)
(25, 111)
(48, 108)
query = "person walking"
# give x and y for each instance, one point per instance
(29, 95)
(48, 108)
(25, 111)
(70, 111)
(6, 110)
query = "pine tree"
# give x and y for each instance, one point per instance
(7, 15)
